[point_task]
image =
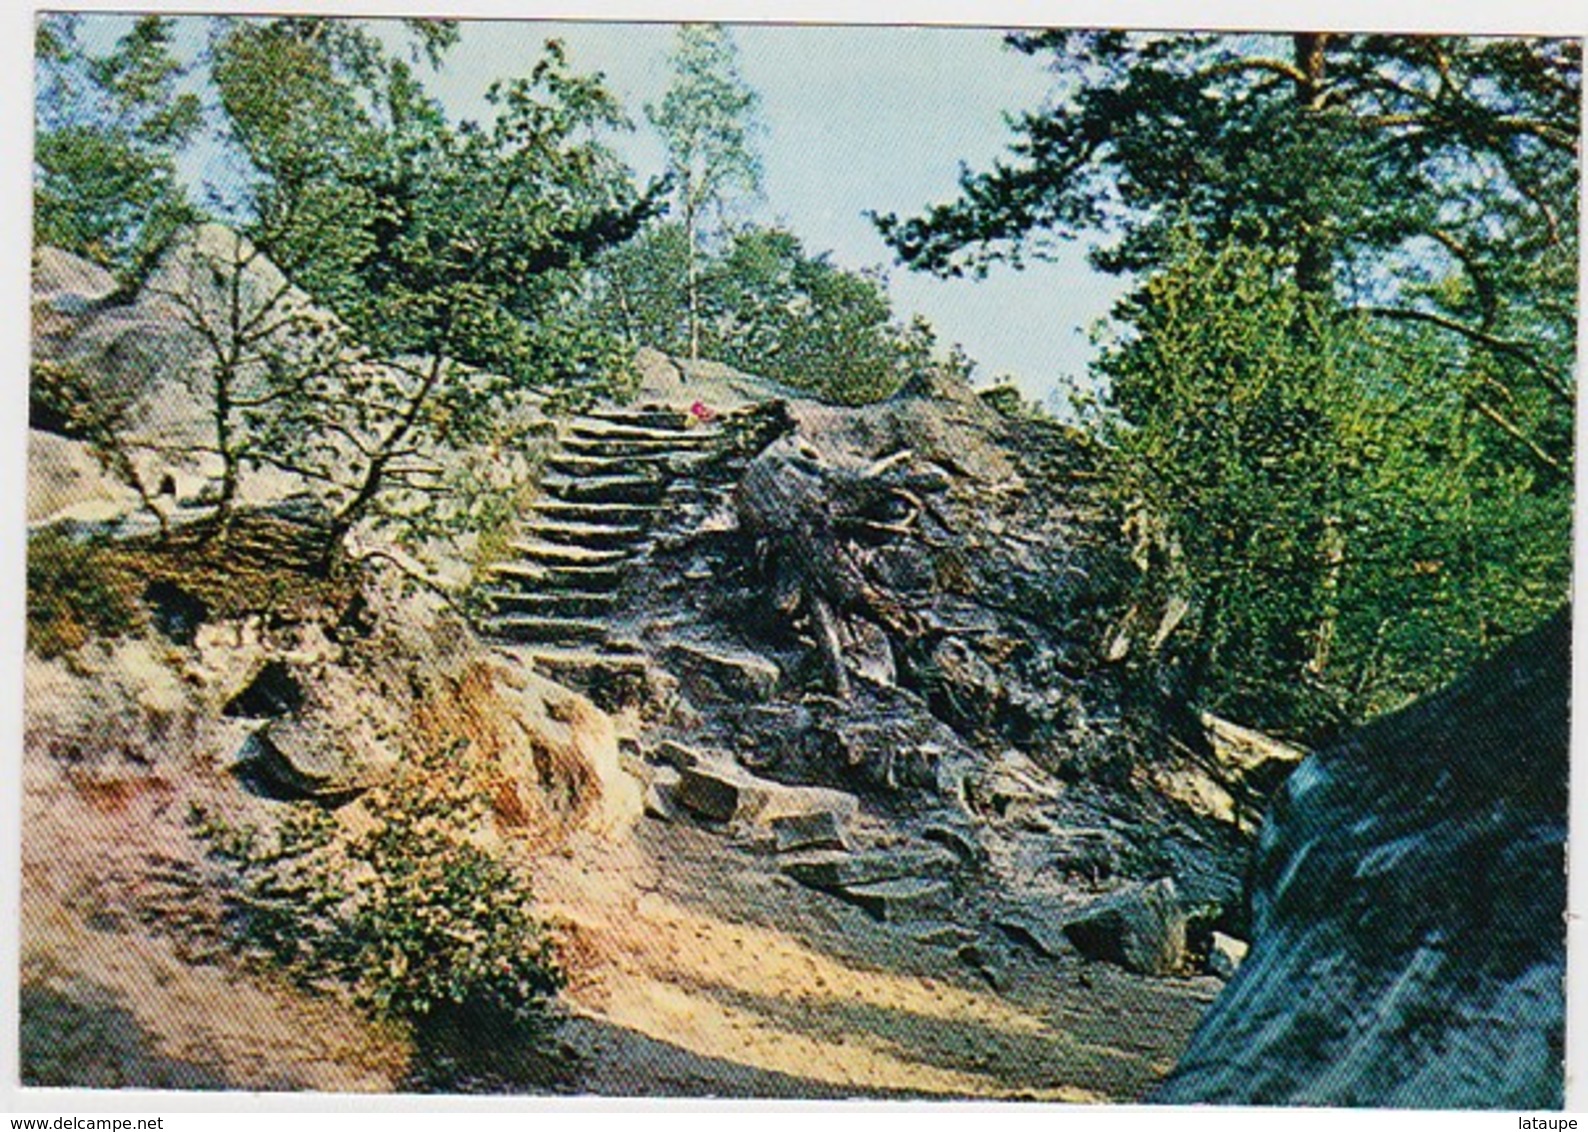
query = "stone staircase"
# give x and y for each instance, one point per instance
(614, 473)
(619, 479)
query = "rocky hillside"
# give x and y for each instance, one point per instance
(775, 703)
(905, 602)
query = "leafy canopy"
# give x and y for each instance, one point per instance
(108, 129)
(1428, 180)
(1340, 400)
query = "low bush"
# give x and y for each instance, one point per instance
(78, 590)
(417, 921)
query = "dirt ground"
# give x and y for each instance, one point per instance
(695, 970)
(698, 970)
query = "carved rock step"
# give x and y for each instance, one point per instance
(846, 870)
(664, 444)
(907, 900)
(726, 793)
(549, 603)
(656, 417)
(586, 579)
(517, 627)
(616, 428)
(583, 534)
(559, 554)
(579, 464)
(605, 489)
(596, 513)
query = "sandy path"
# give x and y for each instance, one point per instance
(720, 977)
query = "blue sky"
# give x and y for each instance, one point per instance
(856, 118)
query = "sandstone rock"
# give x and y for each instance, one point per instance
(867, 651)
(274, 691)
(660, 800)
(846, 870)
(962, 843)
(1141, 927)
(818, 830)
(613, 681)
(310, 760)
(1092, 854)
(1037, 925)
(886, 749)
(1408, 903)
(1225, 955)
(69, 283)
(679, 755)
(713, 674)
(752, 838)
(901, 901)
(723, 792)
(557, 749)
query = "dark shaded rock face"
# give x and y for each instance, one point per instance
(1409, 895)
(1141, 927)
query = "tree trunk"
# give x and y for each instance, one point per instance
(375, 474)
(1314, 258)
(692, 278)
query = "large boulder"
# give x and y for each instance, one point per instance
(1408, 910)
(1141, 927)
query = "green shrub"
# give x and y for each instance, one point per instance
(284, 903)
(439, 925)
(421, 925)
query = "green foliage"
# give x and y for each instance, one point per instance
(765, 306)
(1424, 180)
(78, 590)
(440, 925)
(1321, 494)
(447, 249)
(108, 128)
(420, 923)
(707, 119)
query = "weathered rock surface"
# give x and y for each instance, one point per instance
(726, 793)
(819, 830)
(1141, 927)
(1408, 910)
(1225, 955)
(713, 674)
(308, 759)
